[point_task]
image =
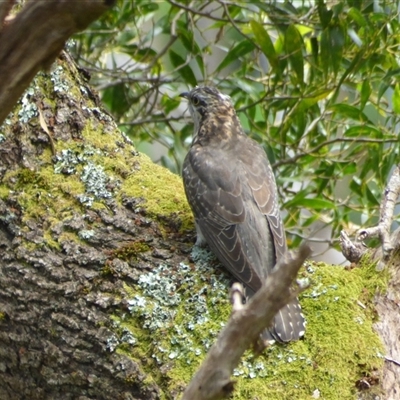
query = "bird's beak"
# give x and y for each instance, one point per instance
(185, 95)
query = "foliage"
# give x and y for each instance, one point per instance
(315, 82)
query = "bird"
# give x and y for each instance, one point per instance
(231, 189)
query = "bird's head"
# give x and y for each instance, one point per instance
(207, 106)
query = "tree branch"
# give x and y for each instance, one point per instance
(33, 39)
(354, 251)
(212, 380)
(293, 160)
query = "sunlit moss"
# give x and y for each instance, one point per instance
(161, 191)
(4, 191)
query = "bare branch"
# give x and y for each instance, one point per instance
(33, 39)
(382, 230)
(195, 11)
(293, 160)
(212, 380)
(354, 251)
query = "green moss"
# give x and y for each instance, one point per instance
(4, 192)
(339, 348)
(26, 177)
(95, 136)
(129, 174)
(108, 269)
(131, 250)
(97, 206)
(161, 190)
(53, 244)
(39, 188)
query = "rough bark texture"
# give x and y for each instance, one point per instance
(388, 328)
(388, 303)
(58, 285)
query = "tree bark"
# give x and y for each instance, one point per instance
(387, 257)
(388, 328)
(59, 272)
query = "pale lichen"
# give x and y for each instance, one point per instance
(28, 108)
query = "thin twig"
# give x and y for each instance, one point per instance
(293, 160)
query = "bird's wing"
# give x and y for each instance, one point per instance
(235, 205)
(261, 180)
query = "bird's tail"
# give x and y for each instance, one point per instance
(288, 324)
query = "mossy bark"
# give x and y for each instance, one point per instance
(69, 245)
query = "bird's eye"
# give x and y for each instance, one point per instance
(195, 101)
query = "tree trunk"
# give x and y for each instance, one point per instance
(64, 219)
(388, 324)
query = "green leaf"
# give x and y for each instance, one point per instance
(145, 54)
(355, 186)
(314, 49)
(349, 168)
(294, 49)
(325, 55)
(396, 99)
(363, 130)
(169, 103)
(310, 101)
(310, 220)
(185, 71)
(148, 7)
(234, 54)
(200, 63)
(315, 204)
(332, 44)
(383, 86)
(264, 41)
(337, 40)
(117, 98)
(371, 197)
(348, 111)
(325, 174)
(356, 16)
(354, 66)
(365, 92)
(325, 15)
(187, 38)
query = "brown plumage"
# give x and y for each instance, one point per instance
(231, 189)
